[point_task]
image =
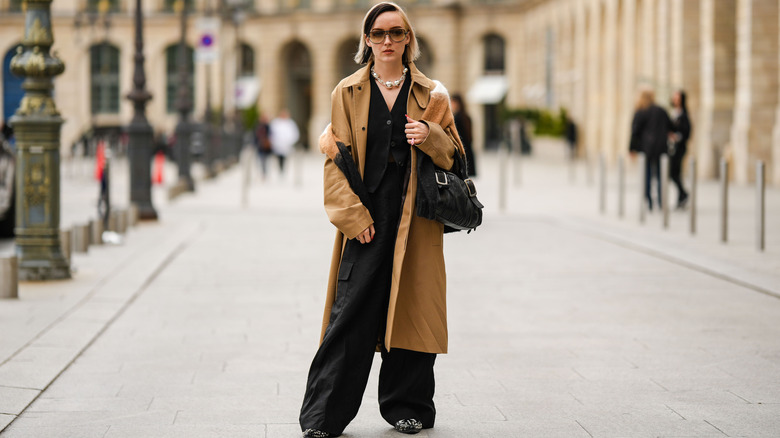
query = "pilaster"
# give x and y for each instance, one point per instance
(718, 73)
(757, 63)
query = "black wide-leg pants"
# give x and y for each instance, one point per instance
(340, 369)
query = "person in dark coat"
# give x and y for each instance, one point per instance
(571, 137)
(463, 125)
(682, 132)
(650, 132)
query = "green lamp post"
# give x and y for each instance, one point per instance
(37, 128)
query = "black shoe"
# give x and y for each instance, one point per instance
(410, 426)
(682, 202)
(314, 433)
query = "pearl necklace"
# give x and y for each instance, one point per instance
(389, 84)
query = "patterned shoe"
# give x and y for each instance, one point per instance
(314, 433)
(410, 426)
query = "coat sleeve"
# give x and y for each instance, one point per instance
(342, 205)
(637, 124)
(440, 145)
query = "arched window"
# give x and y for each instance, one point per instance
(425, 62)
(172, 75)
(246, 61)
(104, 80)
(346, 58)
(494, 53)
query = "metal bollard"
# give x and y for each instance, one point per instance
(724, 200)
(665, 189)
(97, 232)
(112, 221)
(80, 238)
(66, 241)
(621, 186)
(515, 150)
(602, 183)
(760, 205)
(692, 194)
(121, 221)
(502, 176)
(9, 277)
(132, 215)
(642, 178)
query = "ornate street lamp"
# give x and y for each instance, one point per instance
(141, 136)
(184, 105)
(37, 128)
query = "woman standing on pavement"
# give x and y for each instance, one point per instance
(682, 132)
(387, 289)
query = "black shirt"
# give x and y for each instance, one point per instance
(386, 134)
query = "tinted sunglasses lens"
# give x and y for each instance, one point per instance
(376, 36)
(397, 35)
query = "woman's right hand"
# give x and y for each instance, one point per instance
(367, 235)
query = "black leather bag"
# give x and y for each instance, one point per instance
(457, 207)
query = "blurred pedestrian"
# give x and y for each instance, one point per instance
(387, 285)
(463, 125)
(263, 143)
(283, 135)
(570, 132)
(651, 129)
(681, 125)
(7, 134)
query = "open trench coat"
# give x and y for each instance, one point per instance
(417, 311)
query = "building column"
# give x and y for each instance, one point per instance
(685, 50)
(661, 71)
(774, 167)
(718, 72)
(609, 78)
(757, 48)
(323, 61)
(628, 31)
(594, 111)
(578, 70)
(647, 43)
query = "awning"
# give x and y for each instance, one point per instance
(488, 90)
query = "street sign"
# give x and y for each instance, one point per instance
(208, 40)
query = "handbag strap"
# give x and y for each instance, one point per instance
(461, 164)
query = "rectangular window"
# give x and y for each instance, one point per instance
(104, 69)
(103, 6)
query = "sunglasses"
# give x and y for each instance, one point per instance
(377, 36)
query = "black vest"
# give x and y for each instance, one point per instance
(386, 134)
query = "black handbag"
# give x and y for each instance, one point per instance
(457, 206)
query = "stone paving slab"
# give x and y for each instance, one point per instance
(555, 330)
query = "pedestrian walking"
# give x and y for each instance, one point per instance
(650, 131)
(570, 132)
(283, 135)
(681, 124)
(390, 125)
(263, 143)
(463, 124)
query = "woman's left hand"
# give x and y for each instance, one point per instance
(416, 132)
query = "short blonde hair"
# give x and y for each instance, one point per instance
(364, 53)
(646, 98)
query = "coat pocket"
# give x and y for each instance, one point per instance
(344, 270)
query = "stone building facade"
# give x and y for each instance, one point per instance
(589, 56)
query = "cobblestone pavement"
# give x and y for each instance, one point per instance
(563, 322)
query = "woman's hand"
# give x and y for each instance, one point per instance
(367, 235)
(416, 132)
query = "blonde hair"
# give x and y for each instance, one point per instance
(646, 98)
(364, 53)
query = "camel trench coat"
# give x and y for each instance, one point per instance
(417, 312)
